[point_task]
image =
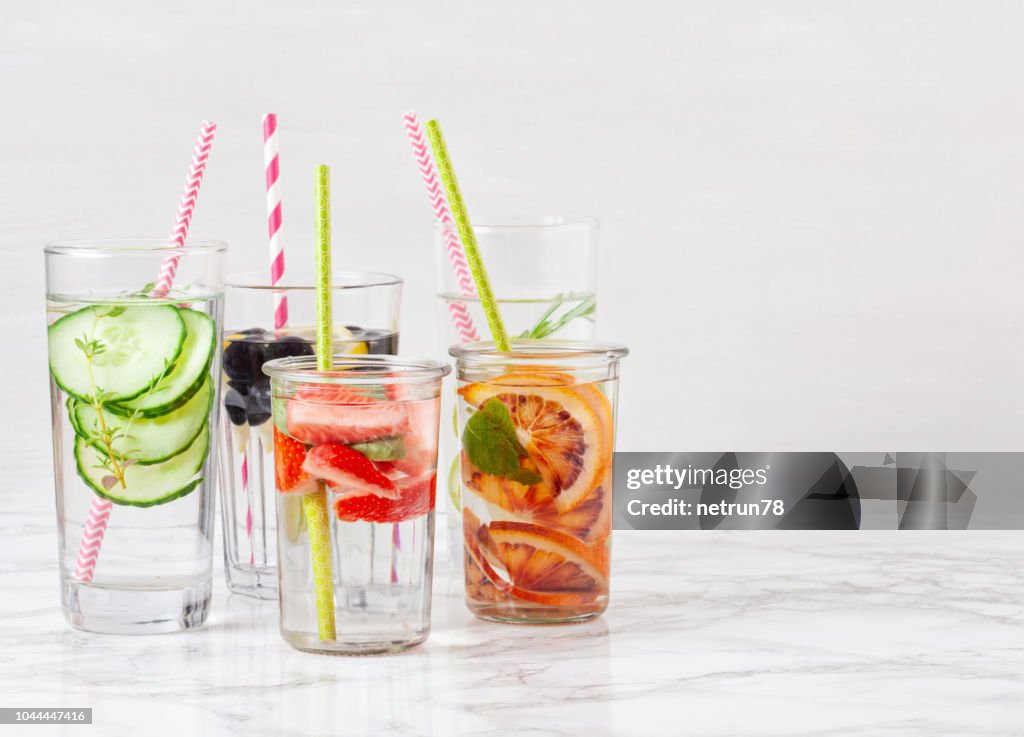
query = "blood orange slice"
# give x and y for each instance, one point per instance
(482, 581)
(516, 560)
(565, 431)
(538, 376)
(541, 560)
(590, 520)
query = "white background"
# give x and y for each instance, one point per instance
(811, 210)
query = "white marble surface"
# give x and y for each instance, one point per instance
(814, 633)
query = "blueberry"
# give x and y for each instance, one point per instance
(258, 403)
(242, 387)
(243, 359)
(235, 404)
(287, 346)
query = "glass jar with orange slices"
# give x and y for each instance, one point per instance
(537, 431)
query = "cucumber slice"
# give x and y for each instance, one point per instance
(137, 343)
(188, 374)
(147, 440)
(146, 486)
(70, 405)
(382, 449)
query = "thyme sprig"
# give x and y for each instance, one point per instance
(114, 461)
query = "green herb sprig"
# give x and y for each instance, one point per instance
(115, 462)
(548, 324)
(492, 446)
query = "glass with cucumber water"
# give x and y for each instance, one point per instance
(543, 271)
(134, 399)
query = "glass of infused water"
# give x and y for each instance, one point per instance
(537, 429)
(543, 272)
(134, 388)
(356, 448)
(264, 322)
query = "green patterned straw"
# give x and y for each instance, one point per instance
(314, 505)
(324, 320)
(476, 263)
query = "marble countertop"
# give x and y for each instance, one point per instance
(773, 633)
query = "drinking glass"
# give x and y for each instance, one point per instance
(538, 431)
(543, 272)
(134, 402)
(355, 477)
(366, 309)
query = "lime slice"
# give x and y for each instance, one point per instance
(454, 487)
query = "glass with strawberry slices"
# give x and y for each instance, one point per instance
(537, 432)
(365, 434)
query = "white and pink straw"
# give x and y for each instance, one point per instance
(425, 161)
(274, 221)
(99, 511)
(187, 205)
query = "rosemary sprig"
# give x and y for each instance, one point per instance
(547, 325)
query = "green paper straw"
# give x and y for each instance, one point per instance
(314, 505)
(469, 245)
(324, 320)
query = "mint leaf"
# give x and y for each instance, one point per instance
(525, 476)
(382, 449)
(498, 413)
(489, 439)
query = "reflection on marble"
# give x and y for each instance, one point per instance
(710, 633)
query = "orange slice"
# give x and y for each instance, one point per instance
(539, 559)
(543, 376)
(539, 565)
(590, 520)
(482, 581)
(567, 432)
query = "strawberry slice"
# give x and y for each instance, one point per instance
(416, 498)
(420, 440)
(338, 414)
(348, 472)
(289, 455)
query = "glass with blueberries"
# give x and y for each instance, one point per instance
(366, 309)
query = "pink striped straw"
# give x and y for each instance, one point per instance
(273, 172)
(187, 205)
(248, 503)
(99, 510)
(272, 175)
(460, 314)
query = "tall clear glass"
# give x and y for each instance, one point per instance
(366, 310)
(543, 271)
(538, 432)
(356, 478)
(134, 402)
